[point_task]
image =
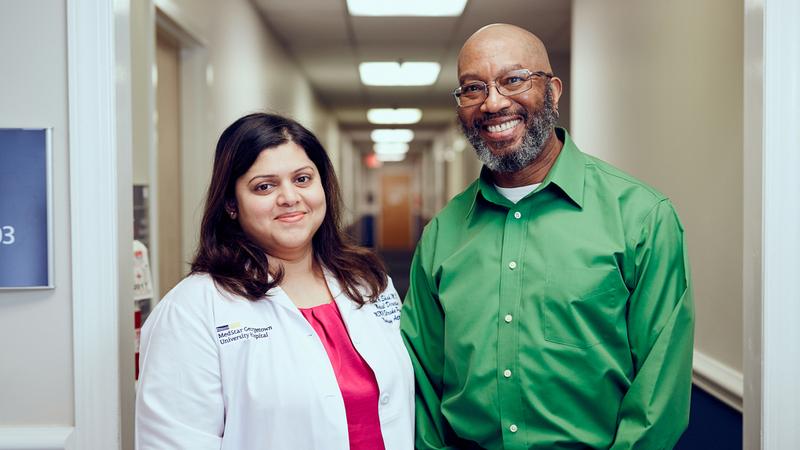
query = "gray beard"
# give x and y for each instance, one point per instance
(539, 126)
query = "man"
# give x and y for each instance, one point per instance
(550, 302)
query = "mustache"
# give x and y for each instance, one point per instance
(479, 121)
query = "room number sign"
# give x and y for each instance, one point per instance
(26, 243)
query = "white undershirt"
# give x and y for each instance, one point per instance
(516, 194)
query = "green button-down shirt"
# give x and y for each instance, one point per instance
(562, 321)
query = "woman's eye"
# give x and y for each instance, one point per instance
(303, 179)
(263, 187)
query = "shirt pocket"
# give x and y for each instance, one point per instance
(583, 306)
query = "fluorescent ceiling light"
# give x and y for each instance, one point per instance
(389, 157)
(390, 148)
(392, 135)
(394, 115)
(393, 73)
(406, 7)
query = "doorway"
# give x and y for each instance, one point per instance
(168, 166)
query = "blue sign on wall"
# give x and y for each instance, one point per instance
(25, 212)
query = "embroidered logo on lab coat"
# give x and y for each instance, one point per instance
(388, 307)
(234, 332)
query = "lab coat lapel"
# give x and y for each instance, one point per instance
(343, 302)
(281, 298)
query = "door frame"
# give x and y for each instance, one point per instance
(771, 219)
(101, 216)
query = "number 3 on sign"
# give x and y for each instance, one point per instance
(7, 235)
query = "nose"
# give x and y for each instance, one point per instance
(495, 101)
(288, 195)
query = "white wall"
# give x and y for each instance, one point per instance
(36, 376)
(657, 90)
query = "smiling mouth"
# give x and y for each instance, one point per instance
(500, 127)
(291, 217)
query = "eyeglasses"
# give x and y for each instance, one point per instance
(512, 83)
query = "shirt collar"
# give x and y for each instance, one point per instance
(280, 297)
(567, 175)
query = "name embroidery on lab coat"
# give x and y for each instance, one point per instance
(234, 332)
(388, 307)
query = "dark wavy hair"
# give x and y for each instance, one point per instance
(239, 265)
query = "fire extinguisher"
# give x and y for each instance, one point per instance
(137, 327)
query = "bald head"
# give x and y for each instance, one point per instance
(503, 39)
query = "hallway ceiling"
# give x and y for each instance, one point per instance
(328, 44)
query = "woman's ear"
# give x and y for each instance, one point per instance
(230, 208)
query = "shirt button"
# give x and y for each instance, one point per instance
(507, 373)
(517, 215)
(384, 399)
(512, 265)
(508, 318)
(513, 428)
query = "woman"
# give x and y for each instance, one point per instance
(284, 336)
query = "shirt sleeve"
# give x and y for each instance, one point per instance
(422, 327)
(655, 410)
(179, 402)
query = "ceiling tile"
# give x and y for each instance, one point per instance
(304, 7)
(407, 96)
(552, 28)
(402, 30)
(307, 30)
(433, 51)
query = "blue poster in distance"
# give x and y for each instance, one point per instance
(24, 213)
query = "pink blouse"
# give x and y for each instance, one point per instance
(355, 378)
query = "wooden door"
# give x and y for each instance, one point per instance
(395, 216)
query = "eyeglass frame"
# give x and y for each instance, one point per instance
(539, 73)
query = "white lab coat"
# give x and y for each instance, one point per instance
(222, 372)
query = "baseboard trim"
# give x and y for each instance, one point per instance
(36, 438)
(719, 380)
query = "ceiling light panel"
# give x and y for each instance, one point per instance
(391, 116)
(392, 73)
(390, 148)
(389, 157)
(430, 8)
(392, 135)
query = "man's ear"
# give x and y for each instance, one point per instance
(557, 87)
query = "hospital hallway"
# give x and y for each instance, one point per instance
(125, 100)
(397, 264)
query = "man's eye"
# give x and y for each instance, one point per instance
(514, 79)
(471, 88)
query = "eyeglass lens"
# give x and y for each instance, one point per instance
(511, 83)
